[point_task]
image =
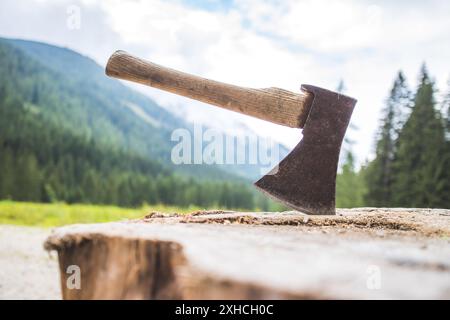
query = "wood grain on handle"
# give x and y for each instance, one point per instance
(272, 104)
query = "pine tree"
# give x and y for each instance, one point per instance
(6, 173)
(418, 163)
(27, 182)
(350, 186)
(380, 173)
(347, 143)
(341, 88)
(445, 111)
(35, 94)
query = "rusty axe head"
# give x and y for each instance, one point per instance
(306, 178)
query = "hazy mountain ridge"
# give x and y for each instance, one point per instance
(105, 109)
(70, 135)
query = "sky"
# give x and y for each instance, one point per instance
(256, 44)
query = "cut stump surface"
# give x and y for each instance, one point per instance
(359, 253)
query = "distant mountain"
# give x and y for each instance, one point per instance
(116, 139)
(93, 105)
(73, 92)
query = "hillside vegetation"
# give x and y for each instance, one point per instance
(412, 152)
(68, 134)
(65, 135)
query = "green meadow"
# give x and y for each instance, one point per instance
(58, 214)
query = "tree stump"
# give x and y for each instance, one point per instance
(359, 253)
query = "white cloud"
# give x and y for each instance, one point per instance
(318, 25)
(258, 44)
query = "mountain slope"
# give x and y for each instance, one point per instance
(73, 92)
(78, 136)
(97, 106)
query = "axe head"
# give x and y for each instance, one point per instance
(306, 179)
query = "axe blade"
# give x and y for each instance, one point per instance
(305, 179)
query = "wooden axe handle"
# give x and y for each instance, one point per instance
(272, 104)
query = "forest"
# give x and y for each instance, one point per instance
(65, 137)
(41, 163)
(411, 167)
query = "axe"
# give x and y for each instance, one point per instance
(305, 179)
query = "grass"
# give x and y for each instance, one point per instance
(58, 214)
